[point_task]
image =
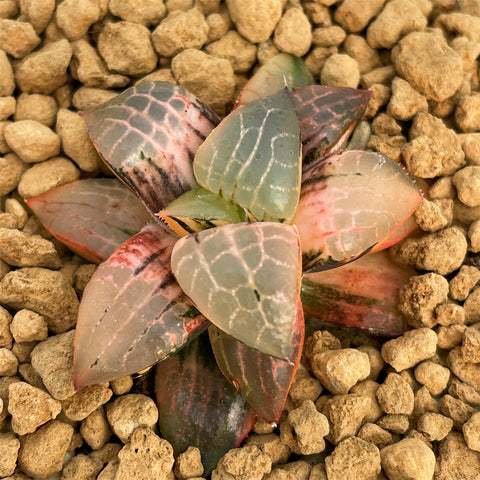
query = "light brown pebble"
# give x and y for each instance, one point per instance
(329, 36)
(471, 345)
(357, 47)
(422, 52)
(374, 434)
(22, 250)
(384, 123)
(160, 75)
(28, 326)
(380, 97)
(12, 168)
(127, 49)
(433, 376)
(293, 33)
(53, 359)
(95, 429)
(405, 102)
(471, 147)
(23, 350)
(354, 16)
(461, 23)
(255, 19)
(9, 446)
(37, 13)
(304, 387)
(7, 107)
(339, 370)
(442, 188)
(8, 9)
(368, 388)
(262, 428)
(88, 97)
(474, 236)
(109, 472)
(455, 459)
(397, 18)
(28, 374)
(8, 363)
(6, 338)
(130, 411)
(389, 145)
(122, 385)
(75, 17)
(30, 407)
(81, 466)
(464, 392)
(211, 79)
(189, 464)
(353, 459)
(18, 210)
(471, 432)
(299, 469)
(346, 413)
(41, 108)
(179, 31)
(75, 140)
(218, 25)
(44, 176)
(318, 14)
(82, 276)
(207, 6)
(85, 401)
(304, 429)
(395, 396)
(316, 58)
(179, 5)
(395, 423)
(409, 349)
(247, 463)
(271, 444)
(7, 220)
(380, 75)
(17, 38)
(340, 70)
(32, 141)
(108, 453)
(429, 216)
(144, 12)
(471, 304)
(7, 80)
(467, 183)
(408, 458)
(44, 70)
(434, 426)
(449, 337)
(467, 113)
(87, 67)
(234, 48)
(455, 409)
(42, 452)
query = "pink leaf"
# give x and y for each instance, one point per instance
(262, 380)
(92, 217)
(198, 407)
(148, 135)
(363, 294)
(133, 313)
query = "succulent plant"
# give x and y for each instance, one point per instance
(236, 228)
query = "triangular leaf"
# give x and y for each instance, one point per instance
(327, 117)
(198, 407)
(253, 158)
(282, 70)
(133, 313)
(199, 209)
(244, 278)
(261, 379)
(92, 217)
(363, 294)
(350, 202)
(148, 135)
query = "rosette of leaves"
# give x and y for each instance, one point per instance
(228, 231)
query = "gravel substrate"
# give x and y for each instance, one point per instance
(360, 408)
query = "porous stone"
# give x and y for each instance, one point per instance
(188, 464)
(37, 12)
(95, 429)
(81, 466)
(12, 168)
(434, 426)
(37, 107)
(455, 409)
(357, 47)
(467, 113)
(353, 459)
(7, 107)
(7, 80)
(234, 48)
(471, 147)
(271, 444)
(471, 432)
(466, 372)
(75, 17)
(130, 411)
(30, 407)
(211, 79)
(42, 452)
(374, 434)
(180, 31)
(431, 67)
(471, 345)
(293, 33)
(17, 38)
(44, 70)
(467, 183)
(8, 363)
(53, 360)
(405, 102)
(395, 396)
(408, 458)
(304, 387)
(218, 25)
(461, 24)
(397, 18)
(5, 334)
(464, 392)
(127, 49)
(316, 58)
(44, 176)
(80, 405)
(28, 326)
(255, 19)
(144, 12)
(339, 370)
(340, 70)
(429, 216)
(455, 459)
(450, 314)
(354, 17)
(434, 376)
(89, 97)
(242, 463)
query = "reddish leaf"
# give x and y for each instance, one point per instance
(363, 294)
(133, 313)
(327, 117)
(245, 278)
(92, 217)
(198, 407)
(350, 202)
(148, 135)
(261, 379)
